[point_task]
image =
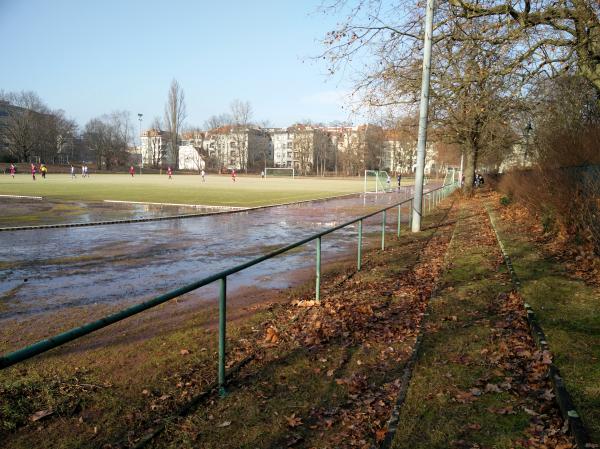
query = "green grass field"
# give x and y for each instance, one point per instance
(182, 189)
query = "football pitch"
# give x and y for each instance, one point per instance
(182, 189)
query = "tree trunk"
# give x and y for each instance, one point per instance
(469, 170)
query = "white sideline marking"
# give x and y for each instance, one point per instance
(198, 206)
(22, 196)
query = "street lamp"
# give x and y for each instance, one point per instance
(141, 151)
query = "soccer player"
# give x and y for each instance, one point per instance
(131, 171)
(169, 171)
(12, 170)
(72, 172)
(202, 173)
(33, 171)
(233, 174)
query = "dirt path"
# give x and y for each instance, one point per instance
(479, 382)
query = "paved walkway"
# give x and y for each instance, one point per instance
(479, 380)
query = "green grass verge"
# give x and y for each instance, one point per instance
(568, 311)
(451, 363)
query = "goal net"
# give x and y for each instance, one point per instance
(376, 181)
(279, 172)
(451, 176)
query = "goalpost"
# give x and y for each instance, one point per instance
(451, 174)
(376, 181)
(280, 171)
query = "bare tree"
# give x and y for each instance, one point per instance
(109, 136)
(216, 121)
(303, 148)
(475, 83)
(175, 114)
(32, 130)
(241, 116)
(546, 36)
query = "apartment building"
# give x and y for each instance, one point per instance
(239, 148)
(305, 148)
(157, 149)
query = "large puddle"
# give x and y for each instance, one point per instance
(52, 269)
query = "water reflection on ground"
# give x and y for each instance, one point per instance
(52, 269)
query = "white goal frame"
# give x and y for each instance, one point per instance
(280, 169)
(380, 178)
(451, 175)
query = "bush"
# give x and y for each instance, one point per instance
(505, 200)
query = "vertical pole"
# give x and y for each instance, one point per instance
(222, 323)
(399, 217)
(460, 175)
(358, 263)
(410, 212)
(383, 232)
(424, 108)
(318, 281)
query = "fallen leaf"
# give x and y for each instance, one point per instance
(293, 420)
(492, 388)
(380, 435)
(224, 424)
(184, 351)
(40, 414)
(502, 411)
(271, 335)
(464, 397)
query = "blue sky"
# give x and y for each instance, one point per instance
(93, 57)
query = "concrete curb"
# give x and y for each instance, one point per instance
(25, 197)
(563, 398)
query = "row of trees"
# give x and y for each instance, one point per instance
(31, 131)
(488, 58)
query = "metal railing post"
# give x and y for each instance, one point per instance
(410, 212)
(318, 280)
(383, 232)
(399, 217)
(359, 261)
(222, 324)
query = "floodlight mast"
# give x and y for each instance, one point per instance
(140, 117)
(417, 203)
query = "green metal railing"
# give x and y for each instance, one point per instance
(7, 360)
